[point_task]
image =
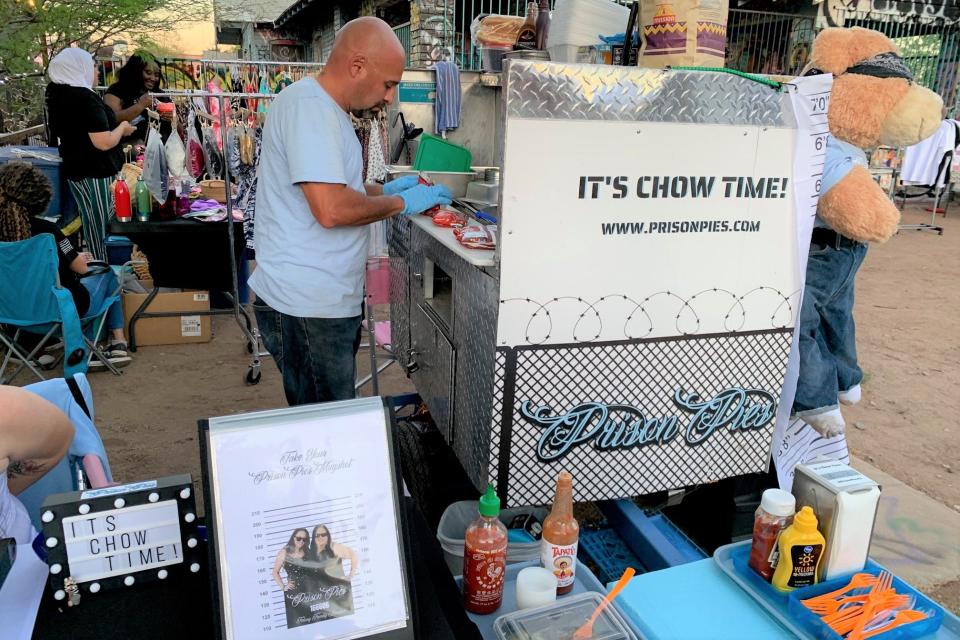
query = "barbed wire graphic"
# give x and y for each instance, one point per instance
(637, 318)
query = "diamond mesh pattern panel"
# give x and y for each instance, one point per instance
(398, 246)
(643, 374)
(500, 378)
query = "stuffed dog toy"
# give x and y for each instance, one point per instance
(874, 102)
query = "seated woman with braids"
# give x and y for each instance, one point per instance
(24, 196)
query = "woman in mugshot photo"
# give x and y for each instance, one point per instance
(327, 577)
(324, 550)
(295, 550)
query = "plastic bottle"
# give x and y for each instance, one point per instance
(774, 514)
(121, 199)
(561, 532)
(142, 195)
(801, 549)
(485, 557)
(543, 25)
(527, 37)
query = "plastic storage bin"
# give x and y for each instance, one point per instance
(453, 524)
(812, 623)
(49, 168)
(436, 154)
(732, 560)
(119, 249)
(561, 619)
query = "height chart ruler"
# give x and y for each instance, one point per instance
(305, 512)
(794, 442)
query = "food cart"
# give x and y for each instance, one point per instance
(634, 324)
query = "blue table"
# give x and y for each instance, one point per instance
(693, 601)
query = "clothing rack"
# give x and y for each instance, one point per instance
(225, 99)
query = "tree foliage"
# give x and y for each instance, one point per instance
(32, 31)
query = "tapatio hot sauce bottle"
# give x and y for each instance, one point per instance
(485, 557)
(558, 546)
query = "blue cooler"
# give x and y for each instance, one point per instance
(49, 168)
(119, 249)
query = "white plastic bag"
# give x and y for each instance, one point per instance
(176, 156)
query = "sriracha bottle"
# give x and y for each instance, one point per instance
(485, 557)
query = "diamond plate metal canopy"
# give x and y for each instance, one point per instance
(594, 92)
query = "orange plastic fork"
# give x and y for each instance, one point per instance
(902, 617)
(843, 626)
(884, 582)
(833, 606)
(858, 581)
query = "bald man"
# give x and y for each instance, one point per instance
(311, 211)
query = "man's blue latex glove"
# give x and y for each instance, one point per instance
(394, 187)
(421, 197)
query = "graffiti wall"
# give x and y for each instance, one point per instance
(945, 12)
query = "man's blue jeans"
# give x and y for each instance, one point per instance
(316, 356)
(828, 350)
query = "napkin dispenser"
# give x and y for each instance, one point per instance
(845, 502)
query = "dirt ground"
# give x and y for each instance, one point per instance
(908, 337)
(908, 333)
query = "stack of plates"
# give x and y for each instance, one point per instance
(582, 22)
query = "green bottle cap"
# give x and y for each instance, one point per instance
(490, 503)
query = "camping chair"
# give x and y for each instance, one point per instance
(34, 302)
(378, 332)
(85, 466)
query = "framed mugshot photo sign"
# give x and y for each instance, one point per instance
(305, 523)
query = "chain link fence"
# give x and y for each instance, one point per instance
(21, 109)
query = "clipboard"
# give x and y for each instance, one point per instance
(257, 463)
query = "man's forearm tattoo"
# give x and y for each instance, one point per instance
(24, 468)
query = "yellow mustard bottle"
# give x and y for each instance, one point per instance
(801, 549)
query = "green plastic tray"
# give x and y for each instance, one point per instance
(436, 154)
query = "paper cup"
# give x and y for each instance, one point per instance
(536, 587)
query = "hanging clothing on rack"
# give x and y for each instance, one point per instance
(211, 153)
(196, 161)
(375, 161)
(247, 189)
(243, 156)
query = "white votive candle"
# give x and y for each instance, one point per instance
(536, 587)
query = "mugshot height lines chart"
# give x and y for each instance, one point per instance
(346, 526)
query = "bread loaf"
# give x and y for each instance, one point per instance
(497, 31)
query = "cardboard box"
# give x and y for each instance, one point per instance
(173, 330)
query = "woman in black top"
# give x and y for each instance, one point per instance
(129, 96)
(24, 195)
(89, 141)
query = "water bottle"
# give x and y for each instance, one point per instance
(121, 199)
(142, 195)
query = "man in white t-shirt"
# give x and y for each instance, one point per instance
(312, 210)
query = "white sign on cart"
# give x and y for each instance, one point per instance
(650, 277)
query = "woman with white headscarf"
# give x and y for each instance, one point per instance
(89, 141)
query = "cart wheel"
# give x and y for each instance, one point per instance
(253, 376)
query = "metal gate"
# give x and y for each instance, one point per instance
(779, 43)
